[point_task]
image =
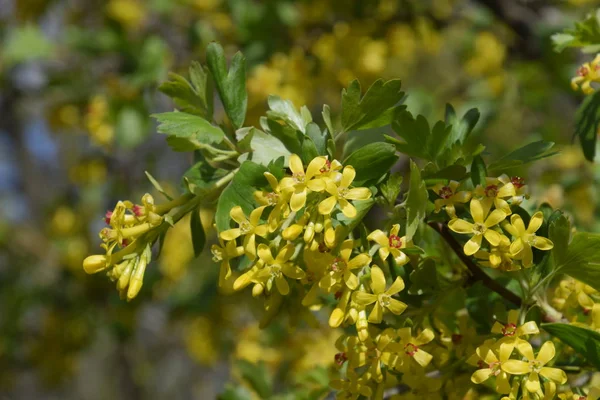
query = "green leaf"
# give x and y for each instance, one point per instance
(188, 126)
(584, 341)
(453, 172)
(478, 171)
(201, 178)
(157, 185)
(585, 35)
(231, 84)
(285, 111)
(318, 138)
(235, 393)
(582, 260)
(198, 235)
(194, 96)
(257, 377)
(587, 120)
(362, 208)
(461, 129)
(327, 119)
(375, 109)
(559, 231)
(416, 201)
(530, 152)
(290, 137)
(264, 148)
(390, 189)
(372, 161)
(240, 192)
(424, 278)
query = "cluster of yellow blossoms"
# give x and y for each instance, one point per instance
(495, 359)
(489, 207)
(578, 302)
(129, 224)
(588, 73)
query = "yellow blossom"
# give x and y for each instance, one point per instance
(525, 238)
(490, 362)
(494, 193)
(411, 355)
(535, 366)
(513, 333)
(340, 194)
(278, 268)
(449, 197)
(276, 199)
(480, 227)
(301, 182)
(352, 386)
(586, 74)
(247, 227)
(223, 253)
(381, 297)
(390, 245)
(498, 256)
(341, 267)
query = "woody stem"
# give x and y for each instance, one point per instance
(476, 273)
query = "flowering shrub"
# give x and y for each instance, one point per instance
(452, 272)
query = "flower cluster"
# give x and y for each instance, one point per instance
(586, 75)
(508, 243)
(512, 355)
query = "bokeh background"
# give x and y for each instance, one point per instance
(78, 79)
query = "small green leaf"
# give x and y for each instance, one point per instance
(373, 110)
(587, 122)
(582, 260)
(530, 152)
(372, 161)
(390, 189)
(194, 96)
(257, 377)
(198, 234)
(478, 171)
(157, 185)
(318, 138)
(264, 147)
(231, 84)
(559, 231)
(327, 119)
(585, 35)
(285, 111)
(240, 192)
(188, 126)
(416, 201)
(461, 129)
(584, 341)
(290, 137)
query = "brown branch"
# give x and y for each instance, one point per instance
(476, 273)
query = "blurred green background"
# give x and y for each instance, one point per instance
(78, 79)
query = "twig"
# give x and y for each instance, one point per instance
(476, 273)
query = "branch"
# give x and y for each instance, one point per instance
(476, 273)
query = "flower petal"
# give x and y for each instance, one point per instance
(546, 353)
(526, 350)
(316, 185)
(230, 234)
(476, 210)
(379, 237)
(298, 199)
(528, 328)
(282, 285)
(255, 215)
(423, 358)
(554, 374)
(360, 260)
(348, 175)
(517, 222)
(360, 193)
(543, 243)
(296, 164)
(396, 306)
(424, 337)
(347, 208)
(472, 245)
(532, 384)
(377, 280)
(481, 375)
(264, 253)
(493, 237)
(327, 205)
(535, 222)
(516, 247)
(350, 279)
(237, 214)
(314, 167)
(396, 287)
(495, 218)
(460, 226)
(364, 298)
(515, 367)
(376, 314)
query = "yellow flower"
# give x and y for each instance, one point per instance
(341, 267)
(352, 386)
(410, 352)
(223, 253)
(521, 189)
(381, 297)
(490, 362)
(277, 199)
(391, 244)
(512, 332)
(593, 394)
(449, 197)
(341, 193)
(571, 293)
(278, 268)
(480, 227)
(248, 228)
(525, 238)
(301, 182)
(586, 74)
(494, 193)
(498, 256)
(535, 366)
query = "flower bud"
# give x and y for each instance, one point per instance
(95, 263)
(257, 290)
